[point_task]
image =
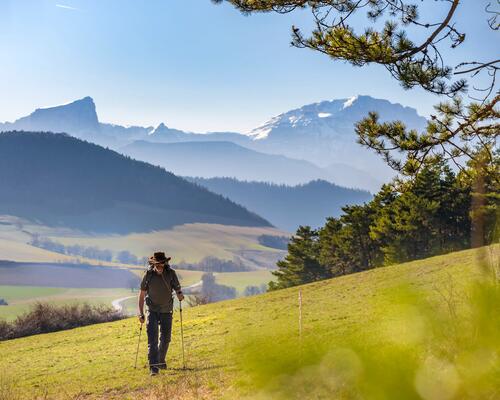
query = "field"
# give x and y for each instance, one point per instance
(240, 280)
(97, 361)
(189, 243)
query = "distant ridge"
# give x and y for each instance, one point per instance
(62, 181)
(219, 159)
(288, 207)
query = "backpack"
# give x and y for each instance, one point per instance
(149, 276)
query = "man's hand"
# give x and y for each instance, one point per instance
(140, 315)
(180, 296)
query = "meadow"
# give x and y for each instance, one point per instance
(255, 348)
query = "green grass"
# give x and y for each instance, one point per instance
(97, 361)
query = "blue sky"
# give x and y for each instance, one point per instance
(188, 63)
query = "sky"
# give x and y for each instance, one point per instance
(191, 64)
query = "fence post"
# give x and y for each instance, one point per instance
(300, 314)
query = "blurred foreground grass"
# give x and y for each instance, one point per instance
(424, 330)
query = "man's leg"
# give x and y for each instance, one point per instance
(165, 336)
(152, 329)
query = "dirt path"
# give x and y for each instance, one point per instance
(193, 288)
(117, 303)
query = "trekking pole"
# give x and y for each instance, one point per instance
(182, 336)
(138, 343)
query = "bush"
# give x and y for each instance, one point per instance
(254, 290)
(44, 318)
(126, 257)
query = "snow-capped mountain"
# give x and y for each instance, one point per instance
(330, 118)
(323, 132)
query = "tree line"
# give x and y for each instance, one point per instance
(92, 252)
(214, 264)
(429, 215)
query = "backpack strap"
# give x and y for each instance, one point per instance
(149, 275)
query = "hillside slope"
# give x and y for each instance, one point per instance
(62, 181)
(97, 361)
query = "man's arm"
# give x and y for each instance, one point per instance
(177, 286)
(141, 306)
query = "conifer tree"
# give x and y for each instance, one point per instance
(301, 264)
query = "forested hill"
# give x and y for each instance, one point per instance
(287, 207)
(63, 181)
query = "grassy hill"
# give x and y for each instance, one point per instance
(366, 332)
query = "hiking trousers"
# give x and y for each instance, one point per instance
(157, 350)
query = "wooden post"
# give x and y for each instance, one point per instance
(300, 314)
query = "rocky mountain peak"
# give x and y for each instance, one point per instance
(79, 116)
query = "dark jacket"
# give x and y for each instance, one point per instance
(159, 289)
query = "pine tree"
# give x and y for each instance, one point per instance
(301, 264)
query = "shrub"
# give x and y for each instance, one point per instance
(44, 318)
(254, 290)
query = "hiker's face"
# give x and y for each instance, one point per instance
(159, 267)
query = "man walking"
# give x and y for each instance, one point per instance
(156, 290)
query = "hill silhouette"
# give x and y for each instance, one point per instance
(59, 180)
(287, 207)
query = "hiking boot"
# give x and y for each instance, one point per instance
(162, 366)
(153, 371)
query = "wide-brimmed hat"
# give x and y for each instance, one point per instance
(159, 257)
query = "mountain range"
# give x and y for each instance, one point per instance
(58, 180)
(288, 207)
(321, 134)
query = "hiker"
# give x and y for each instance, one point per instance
(156, 290)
